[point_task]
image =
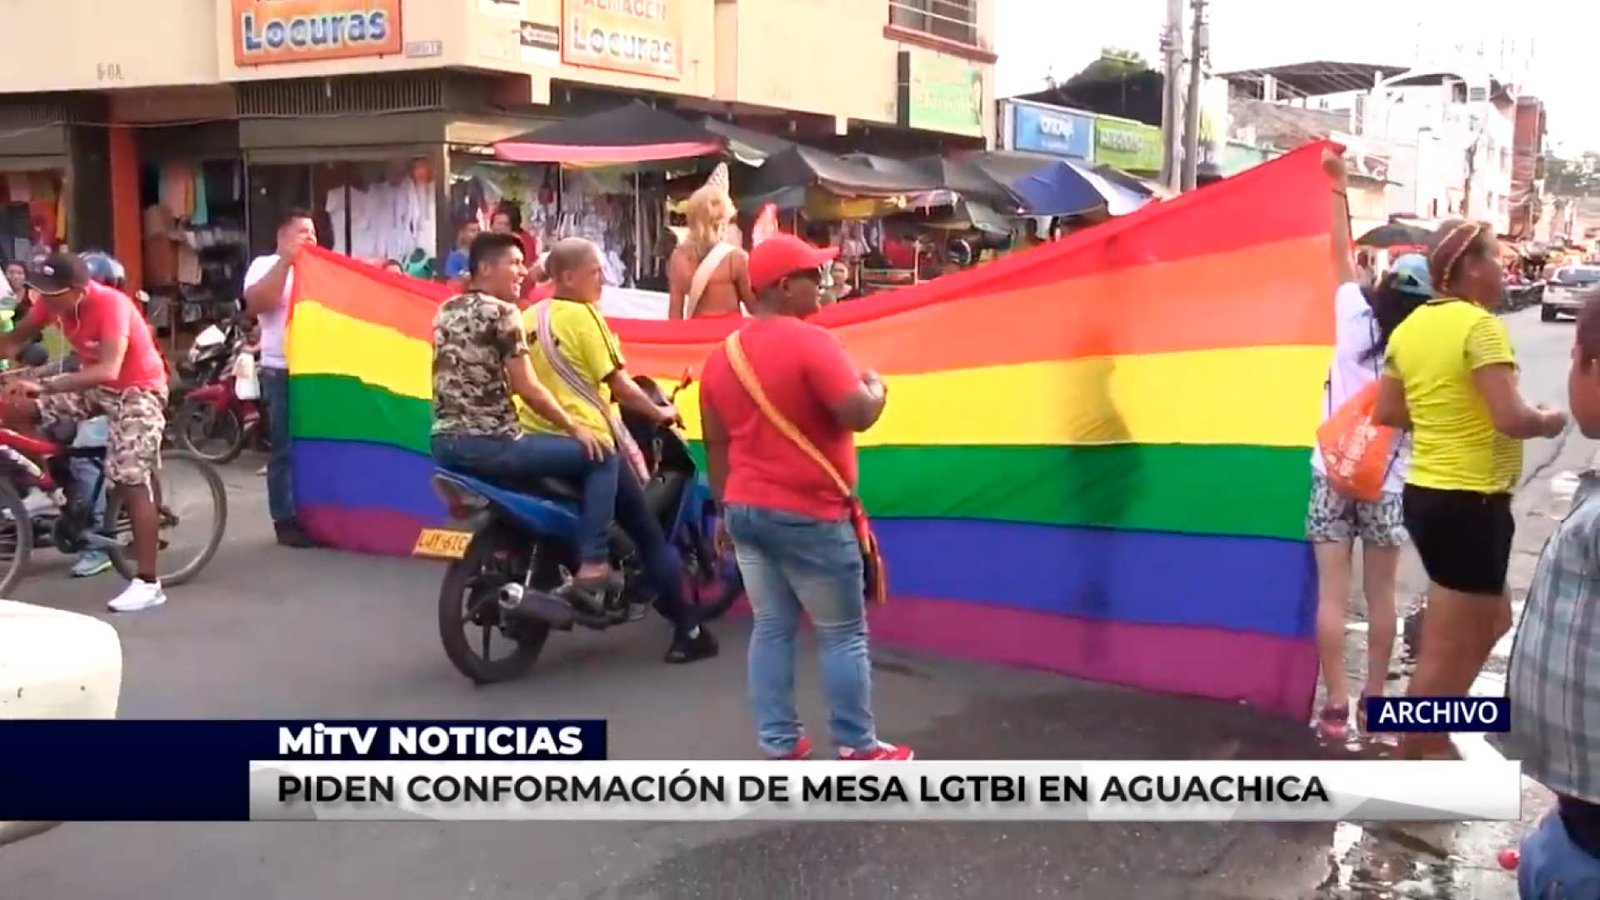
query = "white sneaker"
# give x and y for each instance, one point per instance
(139, 595)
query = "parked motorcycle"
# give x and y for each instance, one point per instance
(221, 411)
(520, 547)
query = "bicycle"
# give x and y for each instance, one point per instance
(65, 520)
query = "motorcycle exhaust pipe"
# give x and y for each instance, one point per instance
(551, 610)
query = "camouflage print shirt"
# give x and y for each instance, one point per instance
(474, 335)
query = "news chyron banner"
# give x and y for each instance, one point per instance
(55, 770)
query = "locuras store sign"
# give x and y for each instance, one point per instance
(641, 37)
(283, 31)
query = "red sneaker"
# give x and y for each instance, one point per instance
(802, 750)
(883, 752)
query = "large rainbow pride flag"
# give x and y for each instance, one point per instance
(1095, 457)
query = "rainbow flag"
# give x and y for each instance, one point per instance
(1095, 457)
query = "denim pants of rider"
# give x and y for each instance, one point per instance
(542, 456)
(610, 492)
(793, 564)
(280, 486)
(1553, 867)
(87, 475)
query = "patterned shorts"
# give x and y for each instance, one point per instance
(137, 418)
(1333, 517)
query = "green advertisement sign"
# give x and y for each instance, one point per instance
(1129, 146)
(940, 93)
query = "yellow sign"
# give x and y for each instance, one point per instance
(442, 543)
(641, 37)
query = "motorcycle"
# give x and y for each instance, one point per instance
(520, 548)
(221, 411)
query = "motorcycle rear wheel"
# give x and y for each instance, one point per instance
(469, 597)
(215, 435)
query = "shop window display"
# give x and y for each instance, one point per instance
(382, 212)
(194, 241)
(33, 215)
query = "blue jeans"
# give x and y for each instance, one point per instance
(610, 489)
(542, 456)
(793, 563)
(280, 484)
(1553, 867)
(86, 473)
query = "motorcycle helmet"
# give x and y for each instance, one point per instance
(104, 268)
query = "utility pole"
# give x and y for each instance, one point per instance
(1191, 113)
(1172, 50)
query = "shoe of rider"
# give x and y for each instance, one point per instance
(91, 563)
(139, 595)
(290, 534)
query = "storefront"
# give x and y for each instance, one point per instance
(367, 180)
(1037, 128)
(35, 192)
(1127, 145)
(193, 222)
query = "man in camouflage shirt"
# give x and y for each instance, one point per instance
(480, 356)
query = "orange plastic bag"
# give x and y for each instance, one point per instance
(1356, 452)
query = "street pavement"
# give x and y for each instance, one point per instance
(269, 632)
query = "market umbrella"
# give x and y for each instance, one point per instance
(623, 135)
(749, 146)
(900, 169)
(971, 182)
(974, 216)
(1393, 234)
(801, 167)
(1053, 186)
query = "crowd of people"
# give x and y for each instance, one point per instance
(1446, 376)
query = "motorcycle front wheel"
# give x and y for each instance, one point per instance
(215, 435)
(470, 616)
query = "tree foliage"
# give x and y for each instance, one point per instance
(1573, 177)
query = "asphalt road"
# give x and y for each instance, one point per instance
(268, 632)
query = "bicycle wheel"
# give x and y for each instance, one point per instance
(16, 537)
(194, 516)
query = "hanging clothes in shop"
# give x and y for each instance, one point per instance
(177, 189)
(202, 211)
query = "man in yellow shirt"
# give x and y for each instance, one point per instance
(1451, 378)
(577, 356)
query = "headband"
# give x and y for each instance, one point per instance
(1452, 256)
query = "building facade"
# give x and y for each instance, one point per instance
(1451, 135)
(256, 101)
(1527, 167)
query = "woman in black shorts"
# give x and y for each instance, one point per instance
(1451, 377)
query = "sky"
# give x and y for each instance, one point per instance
(1558, 39)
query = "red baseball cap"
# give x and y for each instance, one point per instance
(782, 255)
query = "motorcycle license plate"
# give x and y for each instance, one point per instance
(442, 543)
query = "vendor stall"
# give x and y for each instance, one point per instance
(606, 177)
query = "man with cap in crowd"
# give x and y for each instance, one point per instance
(789, 521)
(121, 375)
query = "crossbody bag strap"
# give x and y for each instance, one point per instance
(569, 376)
(752, 386)
(702, 276)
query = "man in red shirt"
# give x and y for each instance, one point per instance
(121, 375)
(788, 519)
